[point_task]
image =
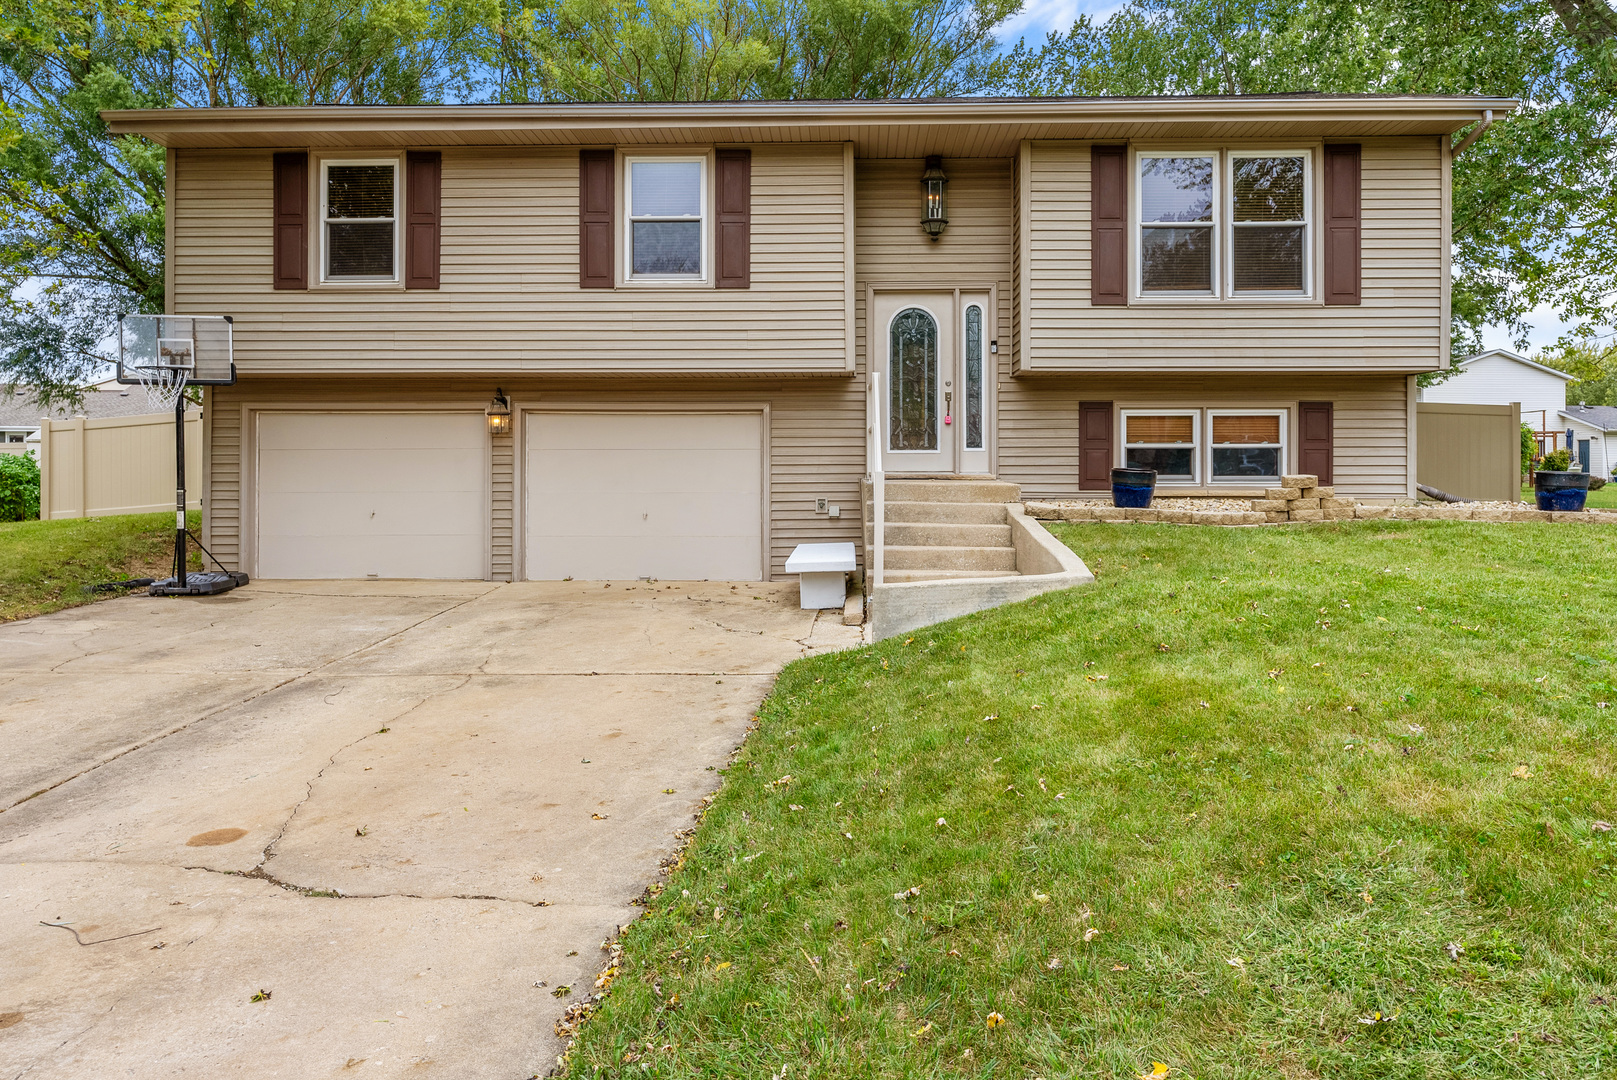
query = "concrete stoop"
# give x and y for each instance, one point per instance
(952, 547)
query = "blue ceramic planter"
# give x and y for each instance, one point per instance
(1133, 487)
(1560, 490)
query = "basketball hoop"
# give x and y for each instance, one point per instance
(164, 354)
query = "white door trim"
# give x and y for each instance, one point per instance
(521, 410)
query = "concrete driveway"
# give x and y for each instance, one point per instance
(405, 811)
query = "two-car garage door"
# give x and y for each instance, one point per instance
(609, 495)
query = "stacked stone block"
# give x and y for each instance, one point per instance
(1301, 497)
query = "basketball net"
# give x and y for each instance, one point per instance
(163, 385)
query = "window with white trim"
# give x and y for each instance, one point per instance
(1223, 224)
(1165, 440)
(1246, 446)
(666, 220)
(359, 210)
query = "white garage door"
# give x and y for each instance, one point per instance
(347, 495)
(624, 495)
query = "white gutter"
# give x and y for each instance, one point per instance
(1471, 136)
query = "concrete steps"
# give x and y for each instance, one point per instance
(940, 530)
(940, 534)
(966, 513)
(895, 576)
(939, 557)
(953, 491)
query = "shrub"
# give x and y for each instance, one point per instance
(1529, 448)
(1556, 461)
(19, 487)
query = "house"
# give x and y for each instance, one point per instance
(655, 340)
(20, 415)
(1500, 377)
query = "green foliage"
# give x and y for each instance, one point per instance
(1529, 447)
(46, 565)
(82, 211)
(699, 50)
(1535, 199)
(1556, 461)
(19, 487)
(1595, 368)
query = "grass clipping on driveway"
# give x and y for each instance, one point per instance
(45, 565)
(1319, 801)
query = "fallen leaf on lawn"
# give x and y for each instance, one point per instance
(1521, 772)
(561, 991)
(1366, 898)
(1036, 708)
(1454, 949)
(995, 1020)
(1054, 964)
(1377, 1018)
(1061, 794)
(721, 966)
(913, 890)
(1236, 962)
(598, 817)
(718, 914)
(1120, 967)
(848, 835)
(923, 1031)
(1043, 898)
(953, 952)
(793, 806)
(1091, 934)
(942, 822)
(1602, 826)
(668, 791)
(1157, 1069)
(783, 781)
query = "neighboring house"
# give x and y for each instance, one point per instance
(682, 305)
(1499, 377)
(20, 415)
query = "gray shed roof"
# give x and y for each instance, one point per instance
(21, 411)
(1603, 417)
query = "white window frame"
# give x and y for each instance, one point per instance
(1216, 226)
(705, 221)
(1284, 417)
(1222, 226)
(1307, 223)
(1198, 445)
(326, 221)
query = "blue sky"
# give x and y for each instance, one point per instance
(1038, 17)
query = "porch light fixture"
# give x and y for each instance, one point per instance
(499, 414)
(935, 207)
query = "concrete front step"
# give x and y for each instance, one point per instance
(952, 491)
(949, 558)
(967, 513)
(934, 534)
(893, 577)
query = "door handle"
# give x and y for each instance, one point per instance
(948, 410)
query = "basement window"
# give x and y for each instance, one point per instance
(1246, 447)
(1165, 441)
(359, 211)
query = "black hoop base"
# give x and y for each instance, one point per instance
(199, 584)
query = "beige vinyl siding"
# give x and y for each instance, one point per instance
(509, 299)
(1398, 327)
(502, 512)
(1039, 446)
(815, 449)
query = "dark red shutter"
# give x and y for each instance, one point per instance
(423, 197)
(735, 219)
(291, 194)
(1108, 226)
(1341, 224)
(596, 207)
(1096, 450)
(1315, 430)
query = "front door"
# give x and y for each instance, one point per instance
(938, 386)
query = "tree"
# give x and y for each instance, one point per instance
(705, 50)
(1594, 368)
(82, 212)
(1534, 202)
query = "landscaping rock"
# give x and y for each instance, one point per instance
(1262, 506)
(1308, 515)
(1371, 513)
(1334, 504)
(1300, 480)
(1324, 493)
(1338, 513)
(1275, 517)
(1286, 493)
(1295, 505)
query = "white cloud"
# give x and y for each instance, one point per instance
(1545, 329)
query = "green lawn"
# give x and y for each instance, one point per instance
(44, 565)
(1604, 499)
(1228, 809)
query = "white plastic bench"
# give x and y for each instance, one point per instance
(822, 571)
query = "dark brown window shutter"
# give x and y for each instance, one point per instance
(1315, 433)
(1096, 449)
(291, 184)
(1109, 226)
(735, 219)
(423, 197)
(596, 205)
(1342, 218)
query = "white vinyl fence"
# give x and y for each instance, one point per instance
(118, 465)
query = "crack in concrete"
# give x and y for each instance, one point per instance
(258, 873)
(314, 671)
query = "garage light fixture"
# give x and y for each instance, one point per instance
(499, 414)
(935, 207)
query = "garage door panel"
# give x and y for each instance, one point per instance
(662, 514)
(397, 495)
(646, 431)
(416, 470)
(643, 472)
(620, 495)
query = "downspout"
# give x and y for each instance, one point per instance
(1471, 136)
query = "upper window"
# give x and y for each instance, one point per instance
(667, 202)
(1223, 224)
(359, 206)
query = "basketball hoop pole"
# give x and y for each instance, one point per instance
(179, 492)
